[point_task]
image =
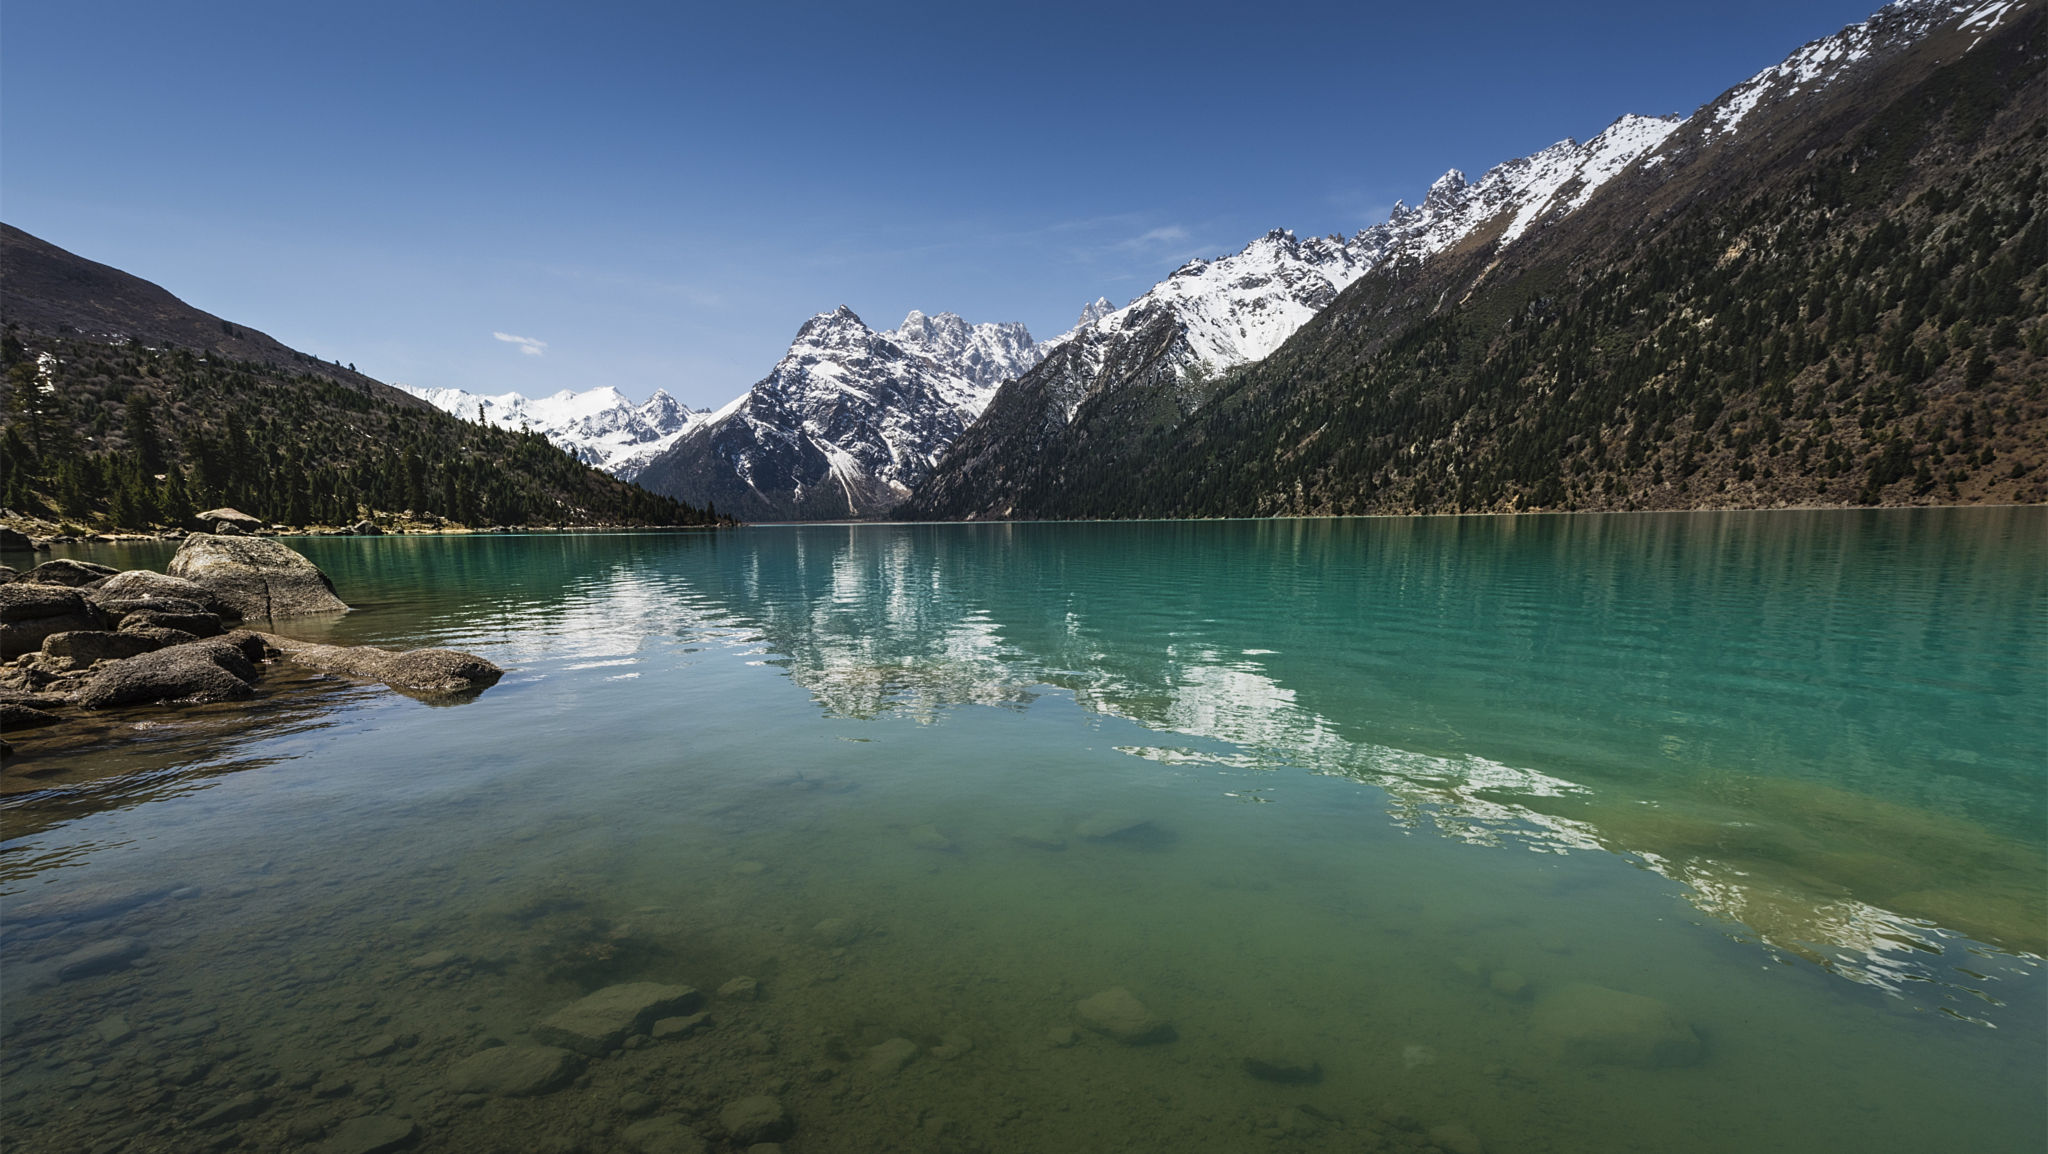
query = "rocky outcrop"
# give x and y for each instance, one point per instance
(259, 579)
(30, 613)
(424, 670)
(145, 583)
(203, 671)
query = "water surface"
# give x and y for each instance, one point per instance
(1379, 792)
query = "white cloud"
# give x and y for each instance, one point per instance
(527, 345)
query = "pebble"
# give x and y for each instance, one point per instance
(836, 931)
(377, 1046)
(114, 1031)
(370, 1134)
(756, 1119)
(233, 1110)
(634, 1103)
(740, 990)
(668, 1134)
(99, 958)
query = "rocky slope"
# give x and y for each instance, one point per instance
(847, 422)
(1825, 287)
(599, 427)
(1158, 359)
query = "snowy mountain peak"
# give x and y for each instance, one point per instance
(1090, 313)
(986, 354)
(598, 426)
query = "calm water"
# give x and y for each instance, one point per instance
(1385, 791)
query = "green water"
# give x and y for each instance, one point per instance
(1384, 790)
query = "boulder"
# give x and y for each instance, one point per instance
(756, 1119)
(81, 648)
(197, 624)
(1282, 1060)
(1593, 1024)
(164, 638)
(66, 572)
(366, 529)
(201, 671)
(426, 670)
(117, 609)
(9, 574)
(259, 579)
(14, 718)
(227, 516)
(1118, 1013)
(668, 1134)
(143, 583)
(15, 541)
(515, 1071)
(597, 1024)
(29, 613)
(370, 1134)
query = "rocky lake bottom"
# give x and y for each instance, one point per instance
(704, 874)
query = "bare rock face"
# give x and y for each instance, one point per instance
(138, 584)
(258, 578)
(425, 670)
(216, 670)
(515, 1071)
(597, 1024)
(29, 613)
(1118, 1013)
(1589, 1023)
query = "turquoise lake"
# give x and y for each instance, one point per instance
(1674, 833)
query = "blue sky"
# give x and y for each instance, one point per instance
(657, 196)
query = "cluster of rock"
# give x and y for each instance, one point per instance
(88, 635)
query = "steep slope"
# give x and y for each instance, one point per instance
(46, 289)
(1825, 287)
(145, 428)
(1157, 360)
(842, 427)
(849, 420)
(599, 427)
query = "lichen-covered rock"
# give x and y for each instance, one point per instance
(68, 573)
(1118, 1013)
(596, 1024)
(426, 670)
(515, 1071)
(201, 671)
(258, 578)
(29, 613)
(81, 648)
(1589, 1023)
(146, 583)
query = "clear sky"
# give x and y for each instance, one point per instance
(658, 195)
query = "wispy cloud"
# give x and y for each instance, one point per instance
(1171, 235)
(527, 345)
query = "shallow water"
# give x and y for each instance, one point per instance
(1385, 790)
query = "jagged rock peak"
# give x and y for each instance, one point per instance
(1090, 313)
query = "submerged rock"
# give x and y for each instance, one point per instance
(741, 989)
(597, 1024)
(370, 1134)
(932, 838)
(515, 1071)
(1283, 1060)
(1118, 1013)
(891, 1056)
(100, 957)
(258, 578)
(18, 717)
(1106, 826)
(424, 670)
(836, 932)
(669, 1134)
(756, 1119)
(1588, 1023)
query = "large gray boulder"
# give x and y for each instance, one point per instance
(29, 613)
(202, 671)
(258, 578)
(15, 541)
(425, 670)
(138, 584)
(64, 571)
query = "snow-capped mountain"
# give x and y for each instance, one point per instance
(600, 427)
(848, 421)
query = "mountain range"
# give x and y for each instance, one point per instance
(599, 427)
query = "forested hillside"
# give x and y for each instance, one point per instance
(126, 431)
(1841, 305)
